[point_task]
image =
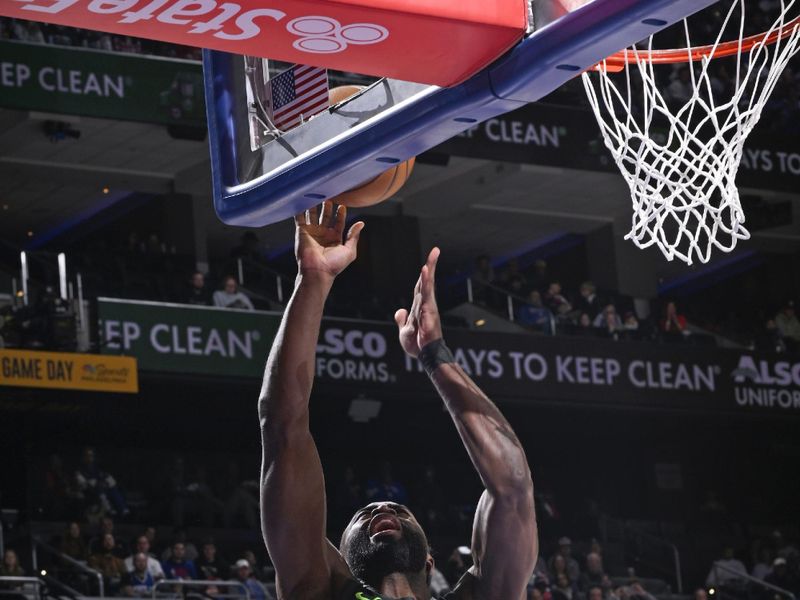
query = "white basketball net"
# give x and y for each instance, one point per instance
(681, 162)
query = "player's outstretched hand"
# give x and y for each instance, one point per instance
(421, 325)
(318, 242)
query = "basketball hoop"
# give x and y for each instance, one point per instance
(680, 159)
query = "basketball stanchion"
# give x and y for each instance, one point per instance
(680, 160)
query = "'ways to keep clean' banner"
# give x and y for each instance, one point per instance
(101, 84)
(366, 355)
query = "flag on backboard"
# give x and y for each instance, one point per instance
(296, 94)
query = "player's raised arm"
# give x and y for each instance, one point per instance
(292, 485)
(504, 538)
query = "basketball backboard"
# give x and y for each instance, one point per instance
(393, 120)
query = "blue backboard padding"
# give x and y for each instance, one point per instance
(538, 65)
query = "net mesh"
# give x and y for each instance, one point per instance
(680, 159)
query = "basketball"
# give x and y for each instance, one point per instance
(382, 187)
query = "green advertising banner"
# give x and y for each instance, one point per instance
(180, 338)
(365, 355)
(78, 81)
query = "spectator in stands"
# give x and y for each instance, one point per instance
(594, 573)
(244, 575)
(564, 589)
(763, 564)
(595, 592)
(72, 543)
(588, 300)
(673, 325)
(482, 277)
(630, 322)
(11, 566)
(260, 573)
(209, 565)
(534, 314)
(555, 300)
(143, 548)
(512, 273)
(726, 571)
(96, 543)
(570, 565)
(780, 547)
(230, 296)
(584, 326)
(139, 582)
(535, 593)
(198, 293)
(789, 326)
(634, 591)
(781, 576)
(98, 487)
(556, 565)
(150, 533)
(190, 550)
(178, 566)
(608, 320)
(386, 487)
(111, 567)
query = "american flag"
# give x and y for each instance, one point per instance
(297, 93)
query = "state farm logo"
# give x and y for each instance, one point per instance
(323, 35)
(223, 20)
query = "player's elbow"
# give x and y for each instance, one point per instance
(282, 428)
(516, 485)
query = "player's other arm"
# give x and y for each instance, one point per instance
(504, 537)
(292, 486)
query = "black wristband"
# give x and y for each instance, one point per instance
(434, 354)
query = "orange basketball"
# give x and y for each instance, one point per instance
(382, 187)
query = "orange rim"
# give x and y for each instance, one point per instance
(618, 61)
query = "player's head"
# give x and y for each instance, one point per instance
(384, 538)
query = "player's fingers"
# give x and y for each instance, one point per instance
(427, 286)
(300, 218)
(313, 215)
(327, 214)
(400, 317)
(341, 218)
(353, 234)
(433, 260)
(415, 306)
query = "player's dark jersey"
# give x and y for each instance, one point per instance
(355, 590)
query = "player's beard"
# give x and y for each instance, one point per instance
(372, 561)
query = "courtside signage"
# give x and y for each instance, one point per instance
(364, 355)
(68, 371)
(413, 40)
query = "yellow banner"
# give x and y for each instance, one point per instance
(67, 371)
